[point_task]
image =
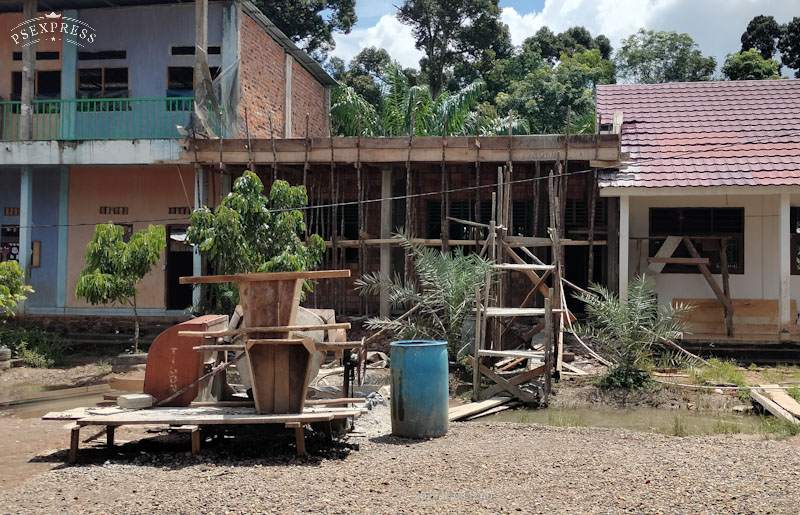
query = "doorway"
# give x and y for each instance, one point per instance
(179, 263)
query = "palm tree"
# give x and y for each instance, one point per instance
(405, 109)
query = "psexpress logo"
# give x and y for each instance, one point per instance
(53, 27)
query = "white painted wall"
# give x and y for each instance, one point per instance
(760, 278)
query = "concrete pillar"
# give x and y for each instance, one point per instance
(200, 39)
(63, 236)
(69, 74)
(624, 245)
(386, 232)
(199, 201)
(784, 261)
(28, 78)
(287, 104)
(25, 221)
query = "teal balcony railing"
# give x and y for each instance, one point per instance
(98, 118)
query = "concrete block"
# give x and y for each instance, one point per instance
(135, 401)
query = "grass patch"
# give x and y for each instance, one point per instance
(718, 373)
(726, 427)
(794, 393)
(565, 420)
(779, 427)
(679, 427)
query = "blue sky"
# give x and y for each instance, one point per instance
(716, 25)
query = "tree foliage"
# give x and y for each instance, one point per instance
(364, 73)
(443, 294)
(789, 45)
(114, 267)
(628, 332)
(250, 232)
(455, 32)
(311, 23)
(13, 289)
(750, 65)
(651, 57)
(404, 108)
(762, 34)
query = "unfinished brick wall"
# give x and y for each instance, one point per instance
(262, 81)
(308, 96)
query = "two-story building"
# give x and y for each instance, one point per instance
(113, 85)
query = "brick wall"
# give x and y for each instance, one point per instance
(308, 96)
(262, 80)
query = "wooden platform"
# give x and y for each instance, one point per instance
(192, 419)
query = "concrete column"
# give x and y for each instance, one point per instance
(784, 261)
(28, 77)
(25, 221)
(230, 65)
(287, 105)
(199, 201)
(624, 245)
(69, 73)
(386, 232)
(63, 236)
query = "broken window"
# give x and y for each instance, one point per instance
(706, 227)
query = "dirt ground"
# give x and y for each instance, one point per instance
(478, 467)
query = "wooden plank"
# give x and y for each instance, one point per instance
(771, 406)
(726, 285)
(473, 408)
(518, 379)
(311, 275)
(511, 354)
(514, 312)
(677, 261)
(74, 443)
(171, 416)
(273, 329)
(333, 402)
(707, 275)
(218, 348)
(511, 388)
(782, 399)
(520, 267)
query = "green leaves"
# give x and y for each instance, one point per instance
(443, 294)
(628, 331)
(13, 289)
(651, 57)
(114, 267)
(250, 232)
(749, 65)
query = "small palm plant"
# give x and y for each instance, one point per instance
(629, 332)
(442, 294)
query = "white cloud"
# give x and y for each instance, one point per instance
(387, 33)
(716, 25)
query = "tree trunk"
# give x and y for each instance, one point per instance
(135, 327)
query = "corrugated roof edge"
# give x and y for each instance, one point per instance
(305, 60)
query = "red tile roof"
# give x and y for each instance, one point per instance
(718, 133)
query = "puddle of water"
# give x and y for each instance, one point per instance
(679, 423)
(37, 409)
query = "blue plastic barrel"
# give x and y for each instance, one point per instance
(419, 388)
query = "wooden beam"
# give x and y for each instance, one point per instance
(511, 388)
(386, 233)
(666, 250)
(312, 275)
(461, 149)
(677, 261)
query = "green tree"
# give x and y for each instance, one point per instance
(450, 32)
(114, 267)
(762, 33)
(750, 65)
(251, 232)
(650, 57)
(13, 289)
(311, 23)
(405, 109)
(364, 73)
(545, 95)
(789, 45)
(550, 46)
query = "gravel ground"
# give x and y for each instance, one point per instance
(477, 467)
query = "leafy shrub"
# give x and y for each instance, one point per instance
(13, 289)
(36, 347)
(444, 291)
(717, 372)
(629, 332)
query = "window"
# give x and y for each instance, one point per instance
(180, 83)
(794, 228)
(522, 218)
(103, 83)
(47, 85)
(576, 214)
(189, 50)
(40, 56)
(706, 226)
(102, 55)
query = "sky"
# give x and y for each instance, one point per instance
(716, 25)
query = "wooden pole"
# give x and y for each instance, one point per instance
(548, 346)
(445, 208)
(726, 284)
(592, 204)
(476, 347)
(409, 221)
(360, 217)
(28, 77)
(476, 212)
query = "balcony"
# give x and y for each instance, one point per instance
(99, 118)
